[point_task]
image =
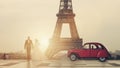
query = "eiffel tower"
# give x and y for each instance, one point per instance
(65, 16)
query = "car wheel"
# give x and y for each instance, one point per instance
(73, 57)
(102, 59)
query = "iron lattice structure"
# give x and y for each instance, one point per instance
(65, 16)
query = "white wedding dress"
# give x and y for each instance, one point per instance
(36, 52)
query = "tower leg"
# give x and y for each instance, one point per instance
(62, 44)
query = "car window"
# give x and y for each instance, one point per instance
(86, 46)
(100, 47)
(93, 46)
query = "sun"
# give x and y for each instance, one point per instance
(44, 42)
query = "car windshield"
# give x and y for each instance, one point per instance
(100, 46)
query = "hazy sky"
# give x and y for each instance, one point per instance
(96, 20)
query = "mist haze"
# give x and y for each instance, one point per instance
(96, 20)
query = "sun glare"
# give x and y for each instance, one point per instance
(44, 42)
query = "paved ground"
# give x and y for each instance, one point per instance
(63, 63)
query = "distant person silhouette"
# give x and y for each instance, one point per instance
(28, 46)
(36, 54)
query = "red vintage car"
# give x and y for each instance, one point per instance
(89, 50)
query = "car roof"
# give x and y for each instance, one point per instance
(97, 43)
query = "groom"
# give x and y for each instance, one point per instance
(28, 46)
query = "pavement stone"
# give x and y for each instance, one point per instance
(59, 64)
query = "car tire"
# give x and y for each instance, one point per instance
(73, 57)
(102, 59)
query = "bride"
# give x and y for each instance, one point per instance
(36, 54)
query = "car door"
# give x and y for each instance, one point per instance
(85, 51)
(94, 50)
